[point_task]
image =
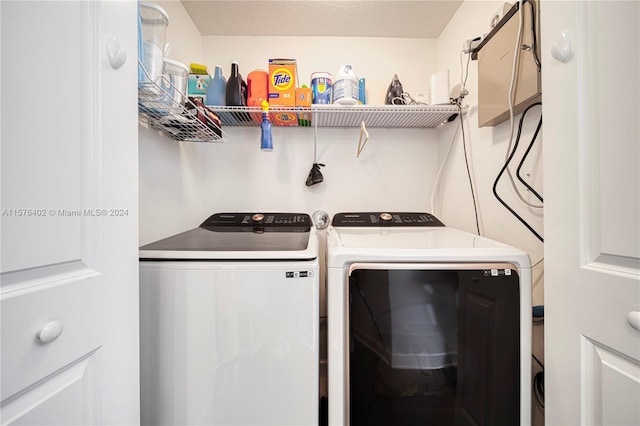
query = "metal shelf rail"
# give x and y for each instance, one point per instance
(392, 116)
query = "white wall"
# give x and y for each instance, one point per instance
(486, 148)
(395, 171)
(170, 172)
(375, 59)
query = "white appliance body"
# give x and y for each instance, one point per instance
(230, 342)
(407, 252)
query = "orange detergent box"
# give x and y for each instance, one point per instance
(282, 82)
(303, 100)
(284, 118)
(303, 96)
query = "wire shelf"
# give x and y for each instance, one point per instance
(392, 116)
(158, 109)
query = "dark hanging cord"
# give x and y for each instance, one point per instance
(534, 41)
(524, 157)
(466, 160)
(504, 167)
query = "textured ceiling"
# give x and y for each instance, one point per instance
(347, 18)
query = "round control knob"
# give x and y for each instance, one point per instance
(258, 217)
(385, 217)
(321, 219)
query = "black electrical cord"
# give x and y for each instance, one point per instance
(524, 157)
(506, 164)
(537, 360)
(538, 388)
(466, 160)
(534, 41)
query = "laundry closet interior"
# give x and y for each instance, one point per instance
(446, 168)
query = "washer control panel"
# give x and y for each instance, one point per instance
(238, 222)
(393, 219)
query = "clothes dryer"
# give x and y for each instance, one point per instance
(229, 323)
(426, 324)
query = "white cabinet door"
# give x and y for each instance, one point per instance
(69, 290)
(592, 196)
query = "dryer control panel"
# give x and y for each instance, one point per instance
(394, 219)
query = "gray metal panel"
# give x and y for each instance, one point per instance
(200, 239)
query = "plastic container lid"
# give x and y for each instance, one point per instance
(152, 14)
(320, 74)
(176, 67)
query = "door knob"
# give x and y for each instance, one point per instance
(561, 49)
(633, 318)
(117, 56)
(50, 332)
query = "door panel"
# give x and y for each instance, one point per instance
(43, 101)
(67, 395)
(614, 386)
(69, 219)
(592, 192)
(609, 150)
(25, 358)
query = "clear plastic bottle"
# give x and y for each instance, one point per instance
(345, 87)
(216, 92)
(266, 141)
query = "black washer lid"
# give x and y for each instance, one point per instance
(240, 236)
(385, 219)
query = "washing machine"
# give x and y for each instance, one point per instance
(229, 323)
(426, 324)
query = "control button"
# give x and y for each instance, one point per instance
(258, 217)
(385, 217)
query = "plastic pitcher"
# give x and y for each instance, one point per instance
(152, 32)
(174, 83)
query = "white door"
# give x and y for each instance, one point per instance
(69, 291)
(592, 188)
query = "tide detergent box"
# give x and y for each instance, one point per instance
(282, 82)
(284, 118)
